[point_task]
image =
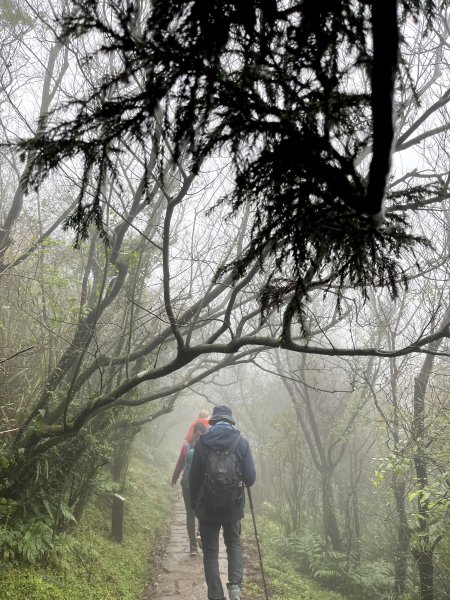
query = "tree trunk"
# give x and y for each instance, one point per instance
(332, 532)
(424, 561)
(423, 553)
(403, 538)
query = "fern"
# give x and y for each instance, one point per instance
(34, 541)
(334, 569)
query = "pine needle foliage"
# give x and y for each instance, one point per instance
(282, 85)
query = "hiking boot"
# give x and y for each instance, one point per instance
(193, 551)
(234, 591)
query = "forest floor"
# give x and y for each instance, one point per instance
(177, 575)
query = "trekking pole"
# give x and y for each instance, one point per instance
(250, 501)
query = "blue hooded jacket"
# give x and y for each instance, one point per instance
(219, 437)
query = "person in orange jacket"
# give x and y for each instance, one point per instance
(184, 466)
(203, 417)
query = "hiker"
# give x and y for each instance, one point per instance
(203, 417)
(184, 464)
(220, 503)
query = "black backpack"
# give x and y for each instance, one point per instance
(223, 477)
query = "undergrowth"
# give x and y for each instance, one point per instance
(283, 579)
(335, 570)
(299, 566)
(89, 565)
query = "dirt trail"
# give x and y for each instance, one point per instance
(181, 576)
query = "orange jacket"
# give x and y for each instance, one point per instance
(191, 428)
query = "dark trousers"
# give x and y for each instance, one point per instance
(190, 516)
(209, 532)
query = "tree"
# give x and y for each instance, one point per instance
(407, 397)
(327, 441)
(265, 81)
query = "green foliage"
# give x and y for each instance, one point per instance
(28, 542)
(91, 565)
(35, 533)
(283, 577)
(442, 572)
(7, 508)
(56, 483)
(287, 585)
(435, 496)
(395, 463)
(334, 569)
(35, 541)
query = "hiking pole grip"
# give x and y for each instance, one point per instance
(250, 501)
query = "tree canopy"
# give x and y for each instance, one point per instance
(294, 91)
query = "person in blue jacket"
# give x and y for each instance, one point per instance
(220, 437)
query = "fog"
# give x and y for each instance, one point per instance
(140, 286)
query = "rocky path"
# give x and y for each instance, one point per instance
(181, 575)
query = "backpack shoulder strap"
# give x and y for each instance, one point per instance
(232, 447)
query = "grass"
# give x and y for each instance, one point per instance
(99, 568)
